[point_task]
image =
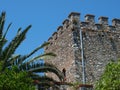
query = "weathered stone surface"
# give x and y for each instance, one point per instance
(101, 44)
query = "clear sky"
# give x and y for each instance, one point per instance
(46, 15)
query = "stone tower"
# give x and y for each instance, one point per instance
(101, 43)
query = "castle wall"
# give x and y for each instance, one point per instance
(101, 43)
(61, 43)
(99, 49)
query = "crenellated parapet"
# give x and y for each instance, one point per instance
(100, 41)
(60, 30)
(65, 23)
(74, 16)
(103, 20)
(73, 22)
(90, 18)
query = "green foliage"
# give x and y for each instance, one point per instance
(110, 80)
(11, 78)
(15, 80)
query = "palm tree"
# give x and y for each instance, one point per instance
(8, 57)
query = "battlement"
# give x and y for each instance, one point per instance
(90, 18)
(101, 43)
(73, 21)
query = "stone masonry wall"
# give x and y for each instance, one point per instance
(101, 43)
(61, 43)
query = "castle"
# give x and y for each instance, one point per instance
(100, 44)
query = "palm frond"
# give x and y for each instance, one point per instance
(13, 60)
(38, 67)
(19, 31)
(40, 47)
(42, 56)
(2, 43)
(23, 58)
(13, 45)
(3, 39)
(45, 81)
(48, 68)
(2, 21)
(23, 62)
(7, 30)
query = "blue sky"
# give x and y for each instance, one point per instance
(46, 15)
